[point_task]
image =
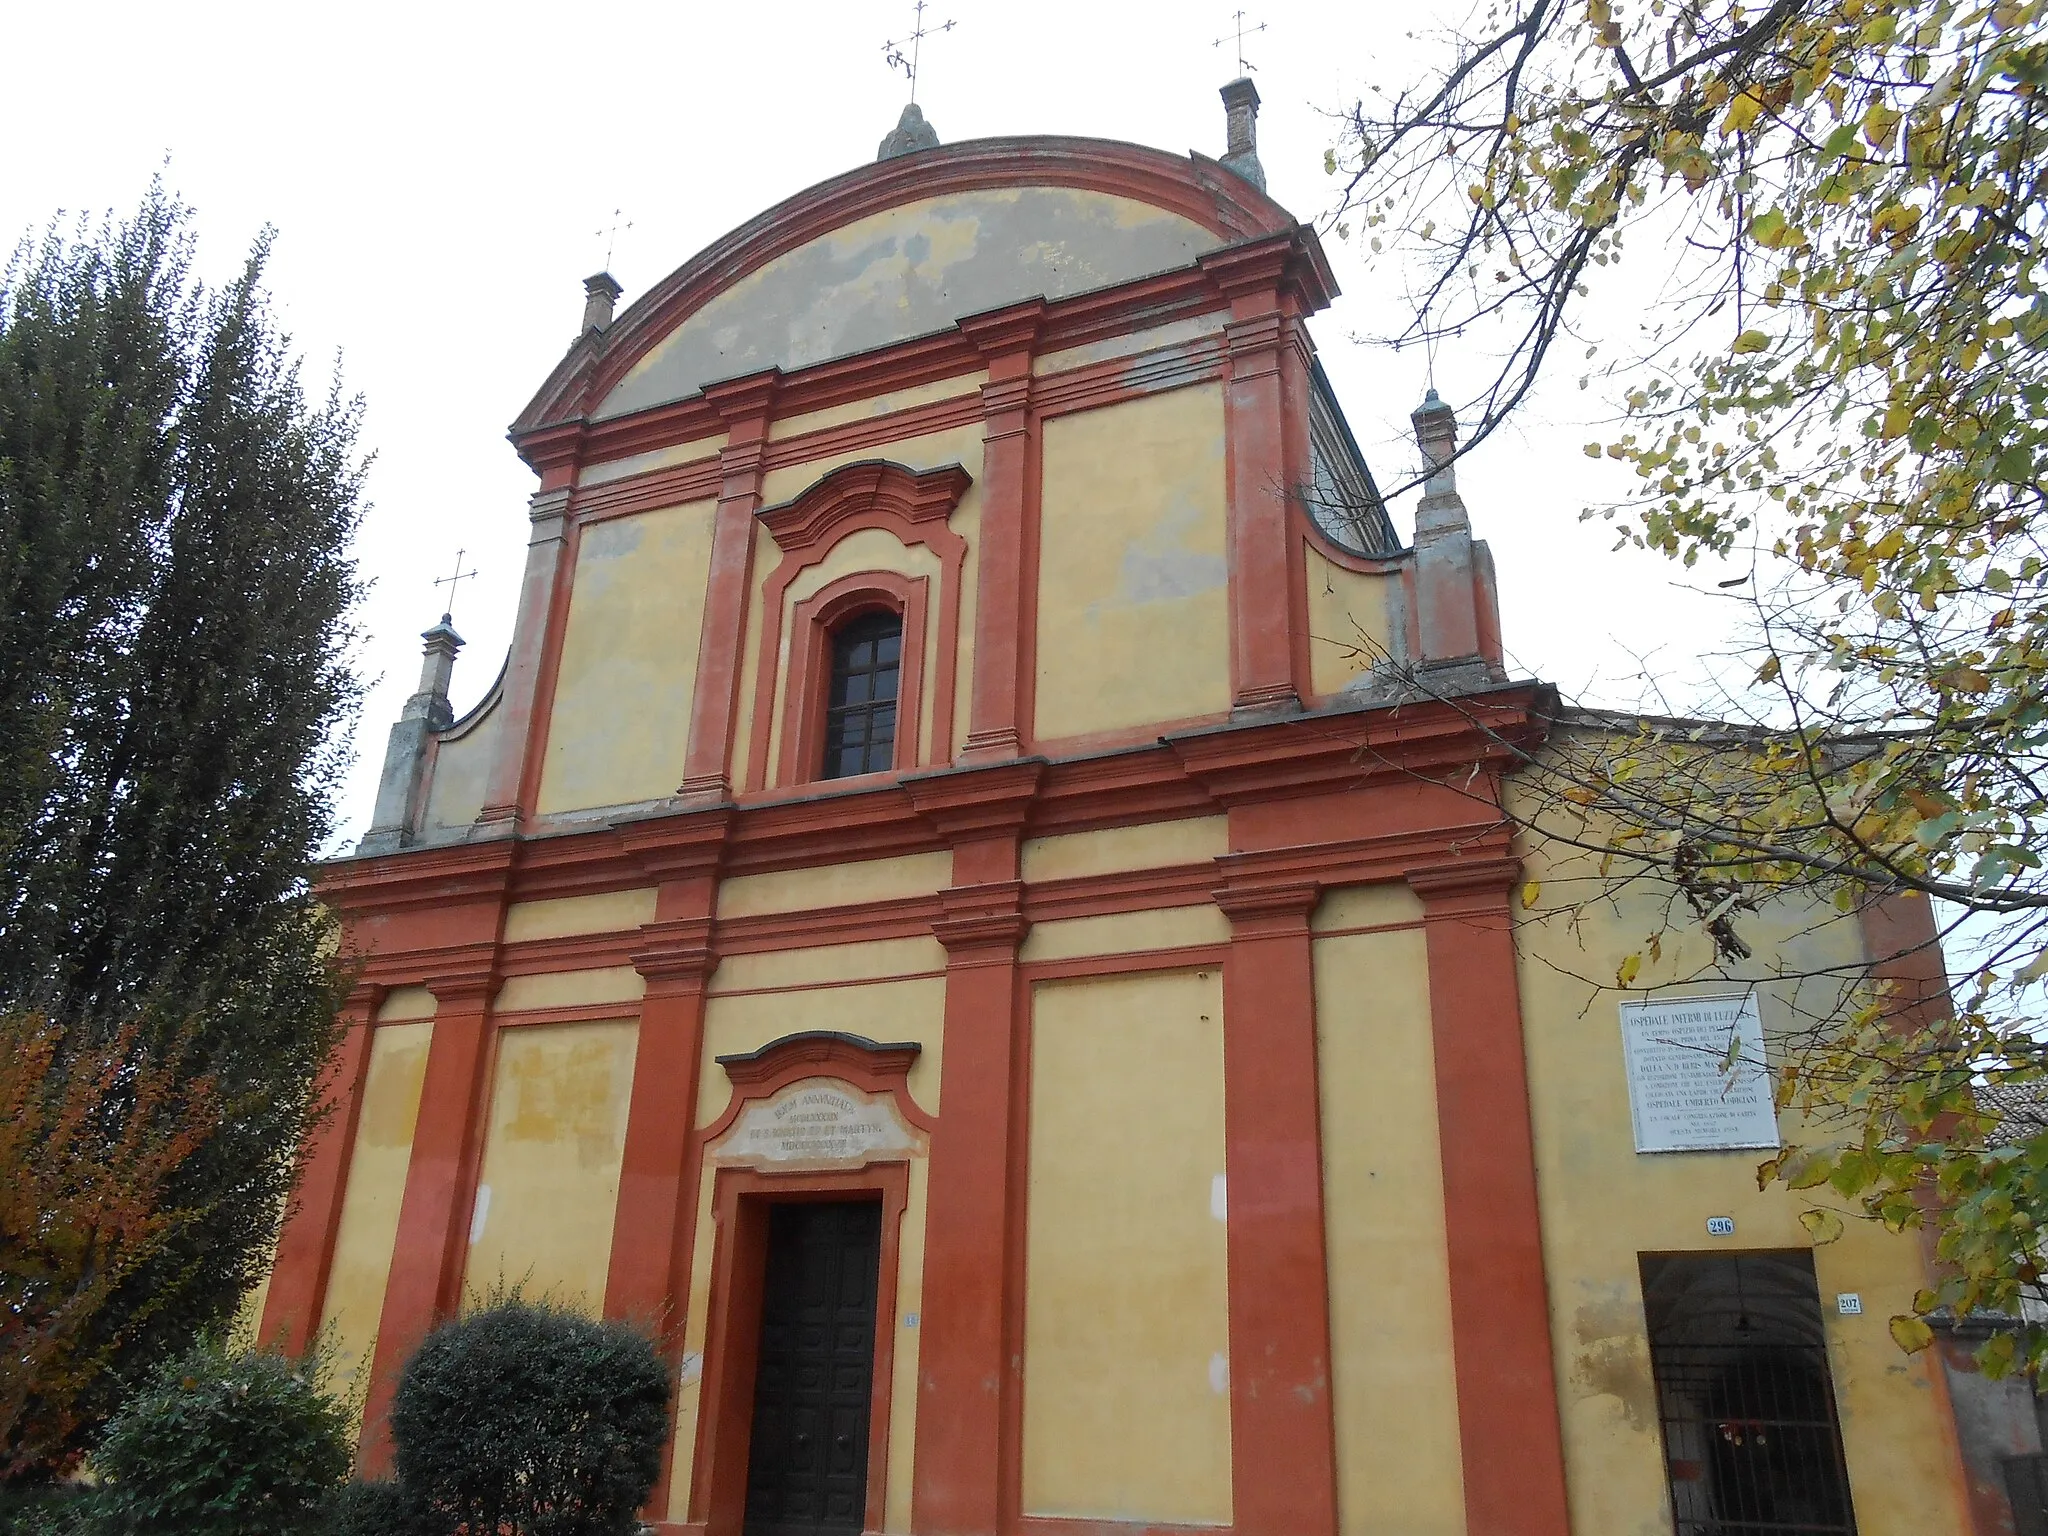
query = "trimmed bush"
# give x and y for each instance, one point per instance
(52, 1509)
(224, 1442)
(368, 1509)
(530, 1420)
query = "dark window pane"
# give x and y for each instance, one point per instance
(860, 707)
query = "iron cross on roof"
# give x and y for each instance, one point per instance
(1239, 29)
(894, 56)
(448, 617)
(611, 236)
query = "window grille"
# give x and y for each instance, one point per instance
(1752, 1444)
(860, 714)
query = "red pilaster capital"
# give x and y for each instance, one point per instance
(1262, 907)
(1466, 886)
(965, 805)
(689, 846)
(1283, 272)
(468, 989)
(676, 955)
(1004, 335)
(982, 924)
(362, 1002)
(744, 404)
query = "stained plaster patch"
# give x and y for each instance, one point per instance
(911, 271)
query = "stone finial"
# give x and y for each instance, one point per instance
(439, 666)
(600, 292)
(405, 753)
(1241, 108)
(910, 134)
(1436, 434)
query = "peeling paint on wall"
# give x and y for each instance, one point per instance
(910, 271)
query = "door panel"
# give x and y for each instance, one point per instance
(808, 1457)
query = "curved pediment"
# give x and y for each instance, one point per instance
(906, 248)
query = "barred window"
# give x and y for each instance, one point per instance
(860, 711)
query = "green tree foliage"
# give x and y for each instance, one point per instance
(225, 1441)
(1844, 390)
(175, 628)
(530, 1421)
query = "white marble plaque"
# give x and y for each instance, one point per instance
(1686, 1092)
(819, 1120)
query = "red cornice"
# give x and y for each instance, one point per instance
(873, 486)
(814, 1053)
(1185, 776)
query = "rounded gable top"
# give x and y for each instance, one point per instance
(904, 248)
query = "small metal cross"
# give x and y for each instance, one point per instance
(449, 582)
(1240, 29)
(894, 56)
(611, 236)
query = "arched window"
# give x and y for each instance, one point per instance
(860, 705)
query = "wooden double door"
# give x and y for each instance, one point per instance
(807, 1459)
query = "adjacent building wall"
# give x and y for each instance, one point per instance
(1604, 1205)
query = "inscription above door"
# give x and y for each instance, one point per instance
(807, 1458)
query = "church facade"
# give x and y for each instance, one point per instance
(944, 916)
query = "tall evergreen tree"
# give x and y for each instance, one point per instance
(176, 601)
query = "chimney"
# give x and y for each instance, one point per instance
(1241, 106)
(911, 133)
(599, 294)
(405, 753)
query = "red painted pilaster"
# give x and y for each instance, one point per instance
(1513, 1453)
(965, 1380)
(654, 1228)
(425, 1281)
(996, 727)
(305, 1248)
(1282, 1433)
(536, 642)
(744, 406)
(1265, 354)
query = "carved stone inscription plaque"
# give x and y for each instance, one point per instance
(1697, 1079)
(818, 1121)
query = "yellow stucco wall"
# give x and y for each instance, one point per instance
(369, 1206)
(960, 386)
(1147, 845)
(1351, 621)
(835, 885)
(881, 1008)
(657, 458)
(621, 711)
(1130, 343)
(1394, 1387)
(550, 1177)
(462, 770)
(570, 989)
(1133, 609)
(1126, 1335)
(1123, 933)
(559, 916)
(1604, 1205)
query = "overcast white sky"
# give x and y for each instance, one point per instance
(438, 174)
